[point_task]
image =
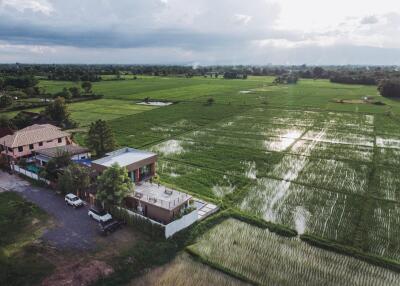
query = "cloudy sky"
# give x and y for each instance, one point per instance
(200, 31)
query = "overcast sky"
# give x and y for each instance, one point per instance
(200, 32)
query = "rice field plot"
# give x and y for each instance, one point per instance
(308, 210)
(342, 176)
(338, 137)
(387, 125)
(382, 230)
(347, 122)
(388, 141)
(200, 181)
(282, 116)
(86, 112)
(128, 89)
(54, 86)
(136, 130)
(244, 162)
(325, 150)
(185, 271)
(388, 156)
(386, 183)
(177, 89)
(268, 259)
(242, 140)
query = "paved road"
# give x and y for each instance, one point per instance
(74, 229)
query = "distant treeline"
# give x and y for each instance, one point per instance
(340, 74)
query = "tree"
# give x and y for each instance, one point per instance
(74, 179)
(318, 72)
(87, 86)
(100, 137)
(21, 120)
(57, 110)
(5, 101)
(75, 91)
(5, 122)
(113, 185)
(210, 101)
(390, 88)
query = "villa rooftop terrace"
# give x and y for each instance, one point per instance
(160, 196)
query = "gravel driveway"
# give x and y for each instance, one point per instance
(74, 229)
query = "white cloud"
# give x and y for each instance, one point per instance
(204, 31)
(243, 19)
(42, 6)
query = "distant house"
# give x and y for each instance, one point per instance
(141, 165)
(24, 142)
(75, 152)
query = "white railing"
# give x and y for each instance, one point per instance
(167, 204)
(29, 174)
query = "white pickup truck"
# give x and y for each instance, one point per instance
(73, 200)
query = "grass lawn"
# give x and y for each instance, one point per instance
(21, 222)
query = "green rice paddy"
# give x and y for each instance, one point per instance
(287, 154)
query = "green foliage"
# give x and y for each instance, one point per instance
(74, 179)
(138, 222)
(58, 110)
(5, 122)
(113, 185)
(87, 86)
(75, 91)
(26, 266)
(100, 138)
(5, 101)
(15, 215)
(20, 81)
(21, 120)
(390, 88)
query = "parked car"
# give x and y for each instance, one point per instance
(110, 226)
(73, 200)
(99, 215)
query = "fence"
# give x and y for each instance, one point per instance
(155, 228)
(29, 174)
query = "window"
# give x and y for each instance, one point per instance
(30, 146)
(40, 144)
(20, 148)
(59, 140)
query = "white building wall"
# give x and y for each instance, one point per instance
(179, 224)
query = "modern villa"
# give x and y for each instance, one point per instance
(158, 202)
(36, 137)
(141, 165)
